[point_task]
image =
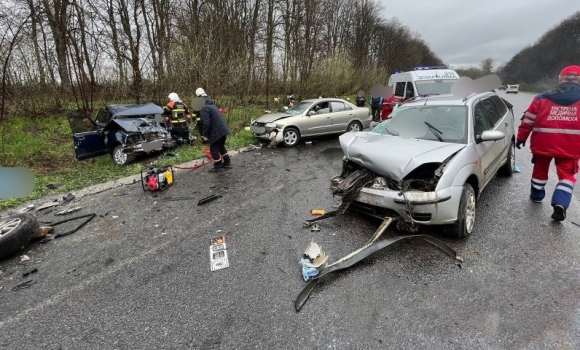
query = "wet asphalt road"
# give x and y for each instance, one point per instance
(142, 280)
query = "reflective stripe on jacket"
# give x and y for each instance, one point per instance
(553, 119)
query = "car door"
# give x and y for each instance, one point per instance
(400, 91)
(340, 114)
(317, 120)
(489, 151)
(496, 115)
(409, 91)
(87, 139)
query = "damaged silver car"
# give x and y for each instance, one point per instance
(308, 118)
(429, 163)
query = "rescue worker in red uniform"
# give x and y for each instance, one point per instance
(553, 118)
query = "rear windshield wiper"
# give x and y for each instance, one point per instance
(435, 131)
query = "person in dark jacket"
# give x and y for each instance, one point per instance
(376, 106)
(360, 100)
(177, 118)
(214, 130)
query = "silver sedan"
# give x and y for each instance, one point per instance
(309, 118)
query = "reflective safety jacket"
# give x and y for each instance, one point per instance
(177, 112)
(553, 118)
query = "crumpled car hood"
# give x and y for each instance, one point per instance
(141, 125)
(268, 118)
(393, 156)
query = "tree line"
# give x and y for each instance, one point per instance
(537, 66)
(89, 52)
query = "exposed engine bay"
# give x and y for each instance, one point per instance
(424, 178)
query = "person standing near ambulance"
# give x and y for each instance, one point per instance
(214, 130)
(553, 119)
(376, 107)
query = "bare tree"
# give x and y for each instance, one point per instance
(487, 66)
(13, 26)
(56, 12)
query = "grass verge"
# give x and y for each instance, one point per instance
(45, 146)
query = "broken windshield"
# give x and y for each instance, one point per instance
(418, 122)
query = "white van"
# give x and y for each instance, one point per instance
(422, 81)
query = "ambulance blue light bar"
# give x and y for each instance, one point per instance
(426, 68)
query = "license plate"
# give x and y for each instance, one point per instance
(258, 129)
(152, 146)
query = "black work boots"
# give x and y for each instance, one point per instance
(224, 163)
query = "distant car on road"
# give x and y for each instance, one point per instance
(502, 87)
(512, 89)
(308, 118)
(124, 131)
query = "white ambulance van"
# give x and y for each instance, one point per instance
(422, 81)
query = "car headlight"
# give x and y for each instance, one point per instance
(270, 125)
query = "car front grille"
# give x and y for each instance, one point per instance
(151, 136)
(259, 124)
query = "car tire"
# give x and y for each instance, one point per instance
(119, 157)
(290, 137)
(463, 227)
(508, 168)
(16, 231)
(354, 126)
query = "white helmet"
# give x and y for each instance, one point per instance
(173, 97)
(200, 92)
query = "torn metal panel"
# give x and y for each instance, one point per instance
(372, 246)
(368, 150)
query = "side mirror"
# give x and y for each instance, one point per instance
(310, 113)
(489, 135)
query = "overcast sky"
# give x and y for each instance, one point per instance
(464, 32)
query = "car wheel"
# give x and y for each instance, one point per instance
(354, 126)
(16, 231)
(119, 157)
(465, 215)
(291, 137)
(508, 168)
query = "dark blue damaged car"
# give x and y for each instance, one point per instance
(123, 131)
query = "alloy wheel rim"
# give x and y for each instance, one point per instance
(9, 225)
(290, 138)
(470, 213)
(354, 127)
(120, 157)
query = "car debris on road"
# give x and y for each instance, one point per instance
(23, 285)
(371, 247)
(313, 260)
(208, 199)
(68, 211)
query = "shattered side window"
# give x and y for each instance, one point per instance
(102, 117)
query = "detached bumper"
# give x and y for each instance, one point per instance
(428, 208)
